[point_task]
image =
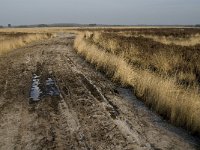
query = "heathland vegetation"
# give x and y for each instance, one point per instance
(11, 40)
(162, 66)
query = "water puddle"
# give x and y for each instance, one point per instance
(51, 88)
(36, 92)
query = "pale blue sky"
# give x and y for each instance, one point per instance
(126, 12)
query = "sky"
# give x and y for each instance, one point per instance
(118, 12)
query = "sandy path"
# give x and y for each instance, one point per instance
(91, 112)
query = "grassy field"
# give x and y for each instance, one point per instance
(162, 66)
(13, 40)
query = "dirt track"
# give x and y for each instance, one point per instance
(91, 112)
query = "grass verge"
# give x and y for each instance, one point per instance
(10, 41)
(180, 105)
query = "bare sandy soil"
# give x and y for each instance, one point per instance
(90, 112)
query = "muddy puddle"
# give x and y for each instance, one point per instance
(51, 88)
(37, 92)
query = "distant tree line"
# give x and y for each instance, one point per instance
(93, 25)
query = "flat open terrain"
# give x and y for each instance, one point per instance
(87, 111)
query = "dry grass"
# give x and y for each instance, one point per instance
(39, 30)
(180, 104)
(11, 38)
(176, 36)
(10, 41)
(179, 62)
(190, 41)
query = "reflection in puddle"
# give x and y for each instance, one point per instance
(51, 88)
(36, 91)
(35, 88)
